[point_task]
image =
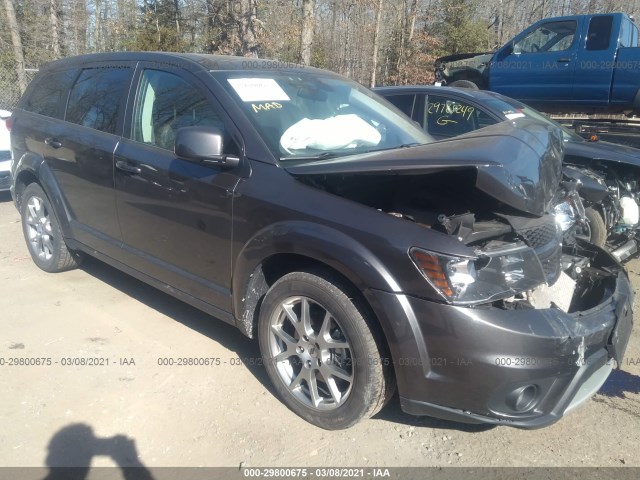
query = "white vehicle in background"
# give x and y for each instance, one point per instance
(5, 151)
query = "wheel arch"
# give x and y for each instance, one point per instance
(33, 168)
(285, 248)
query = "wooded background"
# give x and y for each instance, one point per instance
(375, 42)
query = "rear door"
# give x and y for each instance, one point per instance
(175, 214)
(84, 163)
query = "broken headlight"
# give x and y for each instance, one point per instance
(493, 274)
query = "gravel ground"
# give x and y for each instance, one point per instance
(225, 414)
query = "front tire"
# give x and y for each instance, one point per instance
(324, 360)
(598, 231)
(464, 84)
(42, 232)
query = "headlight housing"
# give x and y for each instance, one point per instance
(492, 275)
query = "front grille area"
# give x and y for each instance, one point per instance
(543, 235)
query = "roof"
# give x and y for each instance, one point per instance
(205, 61)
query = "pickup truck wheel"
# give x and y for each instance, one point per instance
(598, 231)
(323, 359)
(42, 232)
(464, 84)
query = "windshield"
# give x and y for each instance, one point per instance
(511, 109)
(308, 116)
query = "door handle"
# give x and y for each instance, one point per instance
(53, 142)
(127, 167)
(563, 60)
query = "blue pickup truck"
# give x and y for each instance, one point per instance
(580, 63)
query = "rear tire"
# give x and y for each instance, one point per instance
(325, 361)
(42, 232)
(464, 84)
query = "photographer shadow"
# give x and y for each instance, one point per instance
(72, 448)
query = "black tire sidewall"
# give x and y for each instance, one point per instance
(354, 327)
(468, 84)
(597, 227)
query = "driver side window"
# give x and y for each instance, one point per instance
(166, 103)
(548, 37)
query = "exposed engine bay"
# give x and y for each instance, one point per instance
(614, 194)
(523, 261)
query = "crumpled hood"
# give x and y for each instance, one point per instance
(603, 151)
(518, 162)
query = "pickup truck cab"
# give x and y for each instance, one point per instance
(580, 63)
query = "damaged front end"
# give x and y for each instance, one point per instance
(529, 316)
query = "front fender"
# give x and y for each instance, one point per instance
(317, 242)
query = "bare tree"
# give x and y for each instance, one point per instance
(306, 36)
(376, 42)
(248, 28)
(17, 45)
(53, 23)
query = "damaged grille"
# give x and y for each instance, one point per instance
(543, 235)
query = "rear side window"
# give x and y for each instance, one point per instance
(96, 97)
(403, 102)
(599, 35)
(49, 93)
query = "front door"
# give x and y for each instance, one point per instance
(538, 67)
(175, 215)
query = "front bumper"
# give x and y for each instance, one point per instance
(523, 368)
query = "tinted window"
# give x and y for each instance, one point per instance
(48, 95)
(167, 102)
(599, 33)
(403, 102)
(447, 117)
(634, 36)
(96, 98)
(548, 37)
(625, 33)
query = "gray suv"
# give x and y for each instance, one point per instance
(307, 211)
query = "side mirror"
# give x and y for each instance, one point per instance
(203, 145)
(504, 52)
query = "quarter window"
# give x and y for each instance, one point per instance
(49, 95)
(167, 102)
(599, 35)
(96, 97)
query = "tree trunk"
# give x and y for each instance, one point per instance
(17, 45)
(306, 35)
(376, 41)
(248, 35)
(176, 6)
(53, 24)
(98, 31)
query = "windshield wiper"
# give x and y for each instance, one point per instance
(395, 147)
(320, 156)
(327, 155)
